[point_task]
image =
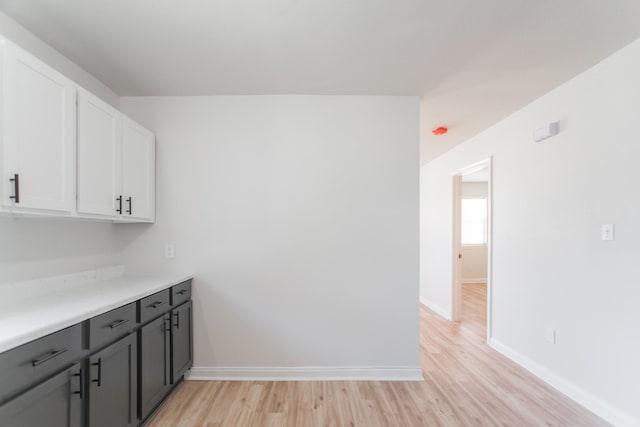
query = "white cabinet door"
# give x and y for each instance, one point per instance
(138, 172)
(38, 134)
(99, 157)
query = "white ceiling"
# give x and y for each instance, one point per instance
(474, 62)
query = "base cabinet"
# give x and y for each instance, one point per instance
(112, 370)
(154, 361)
(181, 341)
(56, 402)
(112, 385)
(166, 348)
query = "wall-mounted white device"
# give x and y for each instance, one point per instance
(546, 131)
(608, 232)
(169, 250)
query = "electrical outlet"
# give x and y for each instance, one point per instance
(550, 335)
(169, 250)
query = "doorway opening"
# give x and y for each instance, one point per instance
(471, 255)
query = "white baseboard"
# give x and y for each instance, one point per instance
(439, 310)
(589, 401)
(305, 373)
(475, 280)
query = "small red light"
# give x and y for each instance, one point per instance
(440, 130)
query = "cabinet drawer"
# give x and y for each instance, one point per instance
(112, 325)
(30, 363)
(154, 305)
(181, 293)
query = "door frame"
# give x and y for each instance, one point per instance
(456, 245)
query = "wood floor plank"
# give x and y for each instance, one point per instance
(466, 384)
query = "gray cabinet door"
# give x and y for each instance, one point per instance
(56, 402)
(113, 385)
(181, 340)
(154, 355)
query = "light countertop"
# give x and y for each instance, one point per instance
(30, 310)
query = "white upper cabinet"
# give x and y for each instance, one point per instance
(116, 164)
(138, 172)
(38, 122)
(105, 170)
(99, 156)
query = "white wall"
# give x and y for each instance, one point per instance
(31, 248)
(474, 190)
(550, 268)
(36, 247)
(298, 216)
(474, 263)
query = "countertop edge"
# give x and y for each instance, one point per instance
(65, 320)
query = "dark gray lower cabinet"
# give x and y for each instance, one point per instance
(56, 402)
(181, 340)
(154, 353)
(113, 385)
(127, 361)
(28, 365)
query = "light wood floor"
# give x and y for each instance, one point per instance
(466, 384)
(473, 316)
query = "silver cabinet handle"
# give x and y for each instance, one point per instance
(118, 323)
(48, 357)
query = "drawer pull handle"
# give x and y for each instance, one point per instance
(130, 208)
(99, 379)
(48, 357)
(119, 200)
(118, 323)
(182, 292)
(79, 375)
(177, 315)
(155, 304)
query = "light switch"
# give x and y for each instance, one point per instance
(169, 250)
(608, 232)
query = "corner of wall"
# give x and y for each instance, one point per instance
(436, 308)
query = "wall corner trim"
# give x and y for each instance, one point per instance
(436, 308)
(305, 373)
(594, 404)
